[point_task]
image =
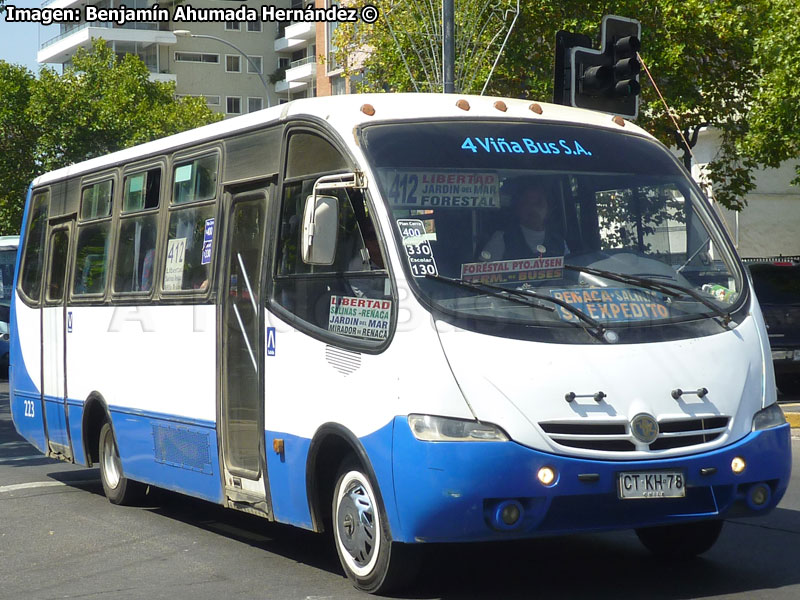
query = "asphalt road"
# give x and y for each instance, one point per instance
(60, 538)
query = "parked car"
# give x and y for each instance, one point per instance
(777, 285)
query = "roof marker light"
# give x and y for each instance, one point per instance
(501, 106)
(619, 121)
(462, 104)
(535, 108)
(368, 109)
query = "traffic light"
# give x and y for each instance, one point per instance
(607, 79)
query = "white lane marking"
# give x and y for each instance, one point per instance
(42, 484)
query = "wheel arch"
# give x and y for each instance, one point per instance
(95, 413)
(331, 444)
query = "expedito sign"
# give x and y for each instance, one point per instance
(612, 304)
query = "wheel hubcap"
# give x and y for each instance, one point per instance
(357, 524)
(110, 462)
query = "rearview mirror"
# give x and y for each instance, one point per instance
(320, 230)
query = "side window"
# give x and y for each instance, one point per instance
(33, 257)
(195, 181)
(351, 297)
(59, 247)
(138, 231)
(94, 235)
(191, 224)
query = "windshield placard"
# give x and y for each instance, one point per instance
(612, 305)
(418, 249)
(360, 317)
(435, 189)
(510, 271)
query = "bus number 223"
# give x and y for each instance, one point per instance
(30, 408)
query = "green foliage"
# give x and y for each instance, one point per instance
(18, 137)
(100, 104)
(725, 64)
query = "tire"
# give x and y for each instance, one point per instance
(681, 541)
(118, 488)
(361, 534)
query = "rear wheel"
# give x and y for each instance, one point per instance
(372, 562)
(118, 488)
(681, 541)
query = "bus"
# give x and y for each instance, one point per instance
(8, 259)
(403, 319)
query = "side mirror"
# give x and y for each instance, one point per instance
(320, 230)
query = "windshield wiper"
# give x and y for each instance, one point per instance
(670, 289)
(521, 297)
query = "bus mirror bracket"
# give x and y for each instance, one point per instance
(321, 217)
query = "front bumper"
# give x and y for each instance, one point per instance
(449, 491)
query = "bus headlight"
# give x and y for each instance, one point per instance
(772, 416)
(443, 429)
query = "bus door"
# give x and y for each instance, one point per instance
(241, 398)
(54, 340)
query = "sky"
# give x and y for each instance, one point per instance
(19, 42)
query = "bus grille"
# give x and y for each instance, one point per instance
(617, 436)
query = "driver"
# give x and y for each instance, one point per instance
(527, 235)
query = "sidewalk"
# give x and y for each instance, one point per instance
(792, 412)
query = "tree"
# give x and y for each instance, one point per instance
(101, 104)
(701, 55)
(18, 137)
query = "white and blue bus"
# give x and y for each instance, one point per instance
(406, 319)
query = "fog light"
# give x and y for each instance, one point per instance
(759, 495)
(738, 465)
(508, 514)
(546, 476)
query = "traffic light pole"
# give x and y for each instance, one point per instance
(448, 47)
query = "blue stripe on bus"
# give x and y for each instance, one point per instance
(449, 491)
(171, 453)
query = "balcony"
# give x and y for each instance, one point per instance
(303, 70)
(295, 37)
(61, 48)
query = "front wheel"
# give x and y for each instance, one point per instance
(372, 562)
(681, 541)
(118, 488)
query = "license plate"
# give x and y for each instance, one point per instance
(652, 484)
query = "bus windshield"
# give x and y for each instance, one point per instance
(488, 213)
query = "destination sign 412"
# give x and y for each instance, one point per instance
(429, 189)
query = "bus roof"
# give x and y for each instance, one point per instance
(344, 113)
(9, 241)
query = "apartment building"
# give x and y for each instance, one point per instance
(199, 64)
(306, 58)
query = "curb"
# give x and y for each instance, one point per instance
(793, 419)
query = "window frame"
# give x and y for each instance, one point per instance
(364, 346)
(127, 171)
(238, 62)
(60, 225)
(196, 62)
(29, 301)
(259, 98)
(168, 207)
(80, 223)
(229, 98)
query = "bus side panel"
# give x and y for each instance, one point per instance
(24, 371)
(287, 479)
(75, 416)
(287, 476)
(169, 453)
(155, 368)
